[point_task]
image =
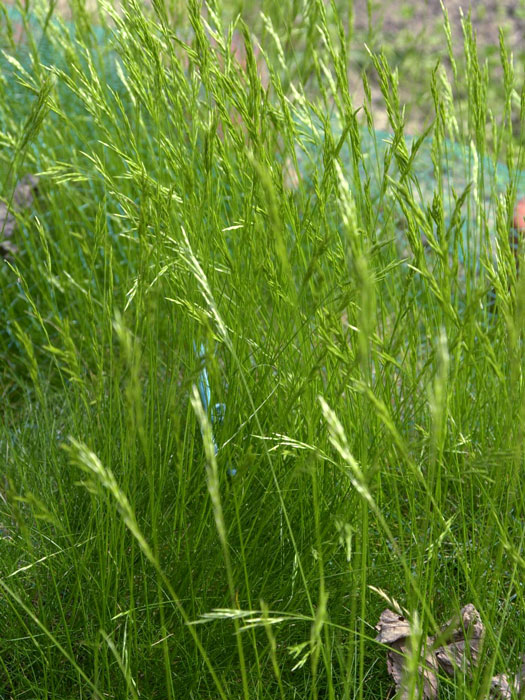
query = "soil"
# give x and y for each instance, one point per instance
(416, 27)
(423, 18)
(418, 17)
(411, 32)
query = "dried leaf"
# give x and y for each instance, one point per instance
(502, 689)
(24, 191)
(7, 222)
(392, 627)
(394, 630)
(520, 675)
(467, 634)
(7, 249)
(22, 198)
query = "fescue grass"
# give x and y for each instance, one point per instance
(189, 216)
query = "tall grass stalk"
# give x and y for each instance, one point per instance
(211, 196)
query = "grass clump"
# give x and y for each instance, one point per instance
(345, 299)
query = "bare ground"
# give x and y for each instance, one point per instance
(409, 26)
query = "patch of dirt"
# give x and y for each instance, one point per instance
(416, 27)
(424, 18)
(411, 32)
(418, 17)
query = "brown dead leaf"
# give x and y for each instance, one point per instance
(501, 688)
(7, 223)
(466, 634)
(519, 678)
(391, 627)
(394, 630)
(24, 192)
(22, 199)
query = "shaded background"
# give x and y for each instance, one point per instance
(410, 34)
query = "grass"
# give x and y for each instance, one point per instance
(372, 435)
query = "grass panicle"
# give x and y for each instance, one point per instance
(213, 199)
